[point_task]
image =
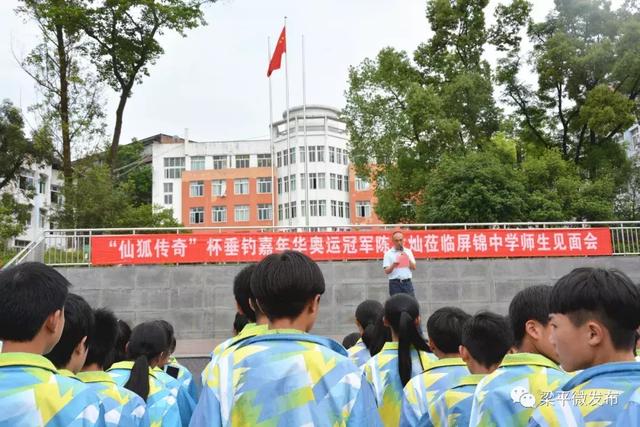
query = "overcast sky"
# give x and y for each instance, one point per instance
(214, 82)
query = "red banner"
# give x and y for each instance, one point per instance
(326, 246)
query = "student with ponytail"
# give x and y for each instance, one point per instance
(368, 320)
(144, 352)
(398, 361)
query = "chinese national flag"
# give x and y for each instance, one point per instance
(281, 48)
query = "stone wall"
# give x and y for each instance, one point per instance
(198, 299)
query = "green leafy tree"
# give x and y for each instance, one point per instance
(587, 61)
(405, 115)
(96, 200)
(71, 104)
(125, 37)
(16, 152)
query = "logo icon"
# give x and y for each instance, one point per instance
(522, 396)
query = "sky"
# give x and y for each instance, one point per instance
(213, 82)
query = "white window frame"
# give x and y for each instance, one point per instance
(241, 184)
(219, 187)
(239, 211)
(194, 214)
(220, 212)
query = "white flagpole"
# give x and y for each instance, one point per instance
(286, 76)
(306, 147)
(271, 144)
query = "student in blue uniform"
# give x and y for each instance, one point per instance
(486, 339)
(444, 327)
(32, 393)
(369, 315)
(594, 315)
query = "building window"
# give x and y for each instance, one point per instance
(42, 184)
(43, 218)
(219, 214)
(265, 212)
(196, 215)
(26, 182)
(363, 209)
(264, 160)
(338, 155)
(303, 181)
(285, 183)
(312, 153)
(346, 183)
(285, 158)
(339, 183)
(322, 177)
(168, 193)
(173, 167)
(219, 162)
(241, 186)
(280, 212)
(332, 154)
(320, 153)
(241, 213)
(303, 208)
(361, 184)
(197, 163)
(279, 159)
(313, 181)
(313, 208)
(322, 208)
(347, 210)
(292, 155)
(341, 210)
(196, 189)
(293, 209)
(302, 153)
(264, 185)
(345, 157)
(242, 161)
(334, 208)
(219, 187)
(279, 185)
(292, 182)
(55, 194)
(332, 181)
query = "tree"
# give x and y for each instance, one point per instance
(125, 42)
(405, 115)
(71, 105)
(587, 60)
(96, 200)
(16, 152)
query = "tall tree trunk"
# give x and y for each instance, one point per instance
(64, 104)
(117, 130)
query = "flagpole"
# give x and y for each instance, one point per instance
(286, 77)
(271, 145)
(306, 147)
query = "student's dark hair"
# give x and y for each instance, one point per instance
(381, 335)
(531, 303)
(606, 295)
(350, 340)
(284, 283)
(239, 322)
(120, 350)
(487, 336)
(29, 293)
(401, 312)
(103, 340)
(78, 323)
(171, 337)
(444, 328)
(368, 314)
(242, 291)
(148, 340)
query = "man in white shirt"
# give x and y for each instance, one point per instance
(397, 264)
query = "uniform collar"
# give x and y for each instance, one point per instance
(27, 360)
(390, 345)
(95, 377)
(631, 368)
(447, 361)
(521, 359)
(473, 379)
(67, 373)
(128, 365)
(294, 335)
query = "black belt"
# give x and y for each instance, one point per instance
(400, 280)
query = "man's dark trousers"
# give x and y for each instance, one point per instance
(397, 286)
